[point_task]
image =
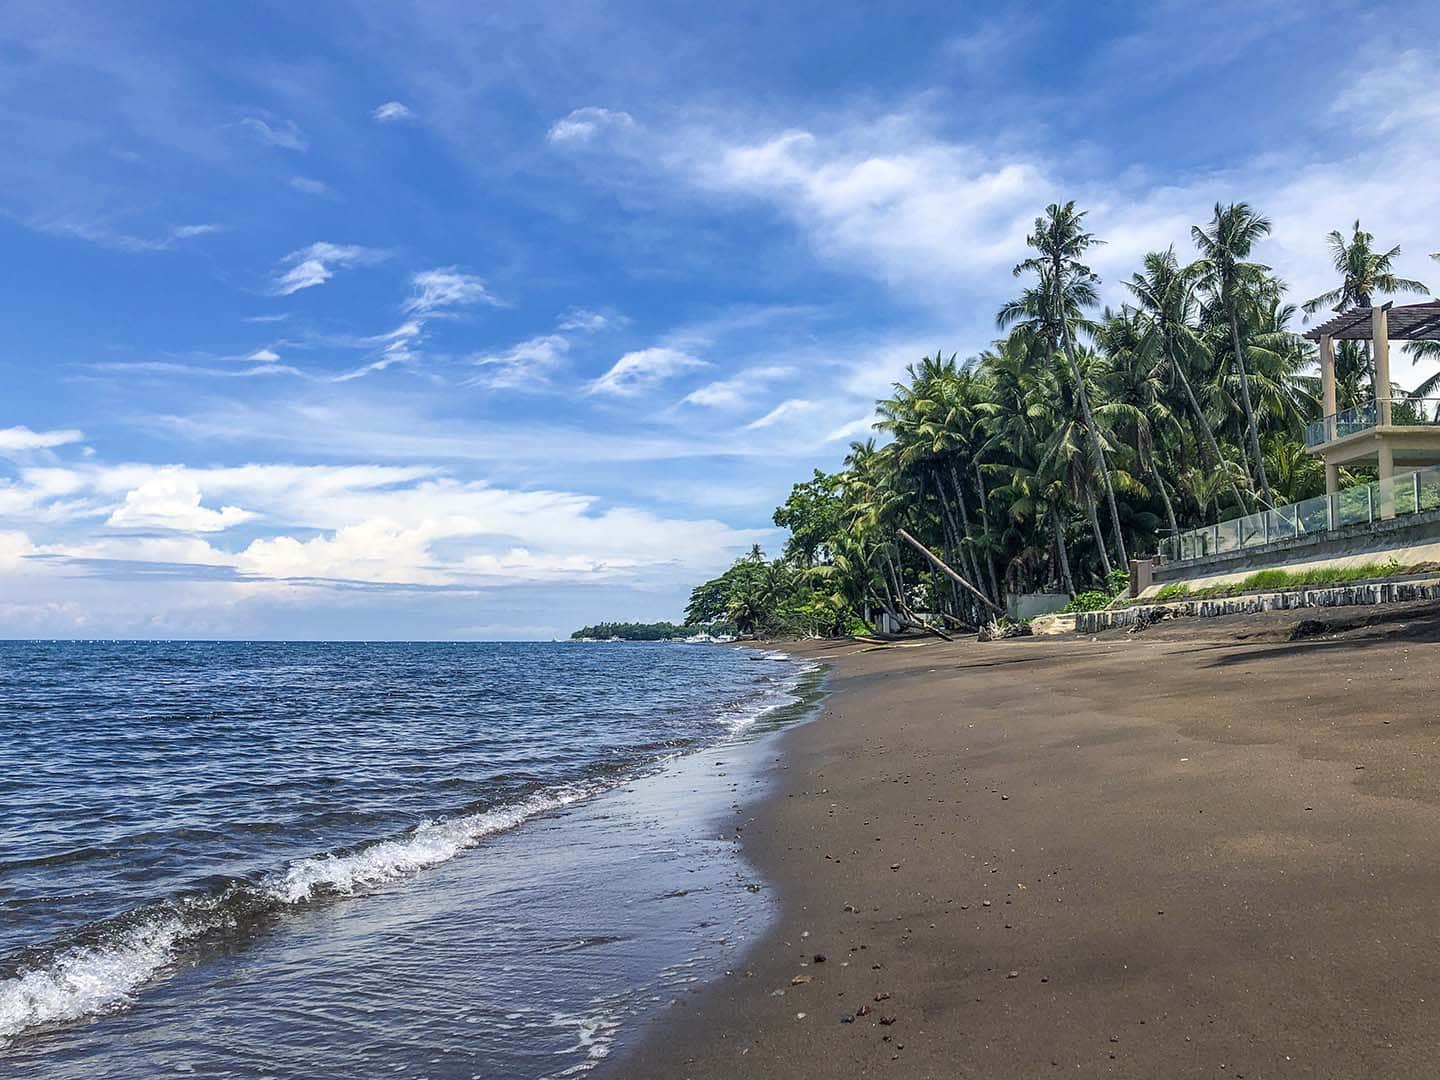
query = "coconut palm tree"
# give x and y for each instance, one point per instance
(1364, 273)
(1165, 292)
(1225, 245)
(1066, 287)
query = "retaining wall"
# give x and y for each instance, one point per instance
(1380, 592)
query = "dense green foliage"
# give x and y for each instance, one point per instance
(1079, 437)
(656, 631)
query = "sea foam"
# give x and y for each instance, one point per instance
(84, 980)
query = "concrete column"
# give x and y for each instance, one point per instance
(1387, 480)
(1327, 375)
(1380, 347)
(1332, 478)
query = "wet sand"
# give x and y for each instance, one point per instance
(1201, 851)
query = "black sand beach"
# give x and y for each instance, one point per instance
(1203, 851)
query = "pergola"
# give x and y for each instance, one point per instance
(1340, 440)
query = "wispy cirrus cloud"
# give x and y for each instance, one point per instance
(448, 287)
(583, 125)
(527, 365)
(308, 185)
(316, 264)
(787, 408)
(283, 134)
(392, 112)
(639, 370)
(732, 392)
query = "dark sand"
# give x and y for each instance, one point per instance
(1201, 851)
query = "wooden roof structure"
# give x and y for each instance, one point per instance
(1409, 322)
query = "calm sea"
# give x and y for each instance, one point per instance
(429, 860)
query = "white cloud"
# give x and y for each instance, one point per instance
(448, 287)
(286, 136)
(171, 500)
(392, 112)
(789, 407)
(316, 264)
(22, 438)
(583, 125)
(637, 371)
(527, 364)
(396, 347)
(585, 321)
(735, 391)
(855, 429)
(264, 356)
(310, 186)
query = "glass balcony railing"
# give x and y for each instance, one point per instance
(1404, 412)
(1361, 504)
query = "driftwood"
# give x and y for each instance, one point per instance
(939, 564)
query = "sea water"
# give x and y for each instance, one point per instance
(429, 860)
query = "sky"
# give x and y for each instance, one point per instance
(487, 320)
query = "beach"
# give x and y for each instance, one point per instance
(1205, 850)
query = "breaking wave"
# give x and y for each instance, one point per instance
(77, 980)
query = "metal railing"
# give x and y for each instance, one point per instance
(1406, 493)
(1404, 412)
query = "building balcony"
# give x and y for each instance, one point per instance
(1403, 413)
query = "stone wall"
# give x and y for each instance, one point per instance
(1383, 592)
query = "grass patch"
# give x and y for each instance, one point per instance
(1278, 580)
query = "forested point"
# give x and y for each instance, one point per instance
(656, 631)
(1081, 437)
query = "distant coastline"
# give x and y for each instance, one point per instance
(656, 631)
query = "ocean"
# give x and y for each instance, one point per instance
(429, 860)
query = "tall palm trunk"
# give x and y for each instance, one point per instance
(1250, 425)
(1097, 451)
(1061, 553)
(1095, 528)
(972, 556)
(985, 526)
(1165, 498)
(1202, 425)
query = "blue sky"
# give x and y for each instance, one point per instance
(465, 320)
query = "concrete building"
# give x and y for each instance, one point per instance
(1391, 433)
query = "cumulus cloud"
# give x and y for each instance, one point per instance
(264, 356)
(22, 438)
(583, 125)
(172, 500)
(284, 135)
(392, 112)
(639, 370)
(448, 287)
(316, 264)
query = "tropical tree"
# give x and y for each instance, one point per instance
(1225, 245)
(1054, 311)
(1364, 273)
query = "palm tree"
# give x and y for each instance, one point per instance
(1166, 294)
(1066, 288)
(1364, 273)
(1224, 246)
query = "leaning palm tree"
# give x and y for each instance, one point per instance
(1054, 310)
(1224, 246)
(1364, 273)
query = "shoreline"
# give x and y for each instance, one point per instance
(1195, 852)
